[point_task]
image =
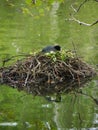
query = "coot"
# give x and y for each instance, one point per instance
(51, 48)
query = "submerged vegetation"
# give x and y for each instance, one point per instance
(42, 74)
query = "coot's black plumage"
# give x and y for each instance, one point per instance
(51, 48)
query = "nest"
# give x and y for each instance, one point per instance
(43, 74)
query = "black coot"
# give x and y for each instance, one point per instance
(51, 48)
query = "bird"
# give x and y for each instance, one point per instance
(51, 48)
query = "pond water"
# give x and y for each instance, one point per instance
(28, 28)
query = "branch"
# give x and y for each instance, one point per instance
(77, 10)
(82, 23)
(81, 5)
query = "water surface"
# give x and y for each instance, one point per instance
(26, 29)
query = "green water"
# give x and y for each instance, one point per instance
(24, 29)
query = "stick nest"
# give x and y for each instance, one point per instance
(43, 74)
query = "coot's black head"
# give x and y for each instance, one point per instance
(57, 47)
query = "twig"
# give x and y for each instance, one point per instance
(26, 80)
(75, 49)
(28, 74)
(78, 78)
(94, 23)
(35, 67)
(72, 74)
(77, 10)
(10, 58)
(81, 5)
(82, 23)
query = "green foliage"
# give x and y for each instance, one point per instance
(26, 11)
(39, 2)
(28, 1)
(63, 55)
